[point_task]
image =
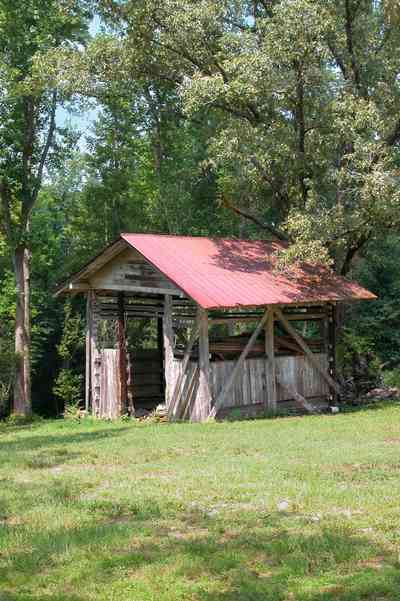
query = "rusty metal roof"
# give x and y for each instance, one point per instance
(227, 273)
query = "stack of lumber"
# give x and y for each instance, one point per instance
(232, 346)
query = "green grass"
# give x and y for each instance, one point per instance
(295, 509)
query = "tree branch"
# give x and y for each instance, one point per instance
(46, 148)
(350, 48)
(257, 220)
(352, 252)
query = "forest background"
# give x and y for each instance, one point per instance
(239, 118)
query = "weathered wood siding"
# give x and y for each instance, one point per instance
(129, 271)
(108, 407)
(251, 387)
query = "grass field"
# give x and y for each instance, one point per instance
(295, 509)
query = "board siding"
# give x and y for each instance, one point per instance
(251, 385)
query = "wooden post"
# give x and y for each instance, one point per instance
(95, 356)
(168, 348)
(332, 330)
(271, 400)
(122, 367)
(204, 393)
(160, 347)
(238, 366)
(88, 360)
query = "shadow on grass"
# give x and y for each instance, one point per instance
(28, 443)
(271, 563)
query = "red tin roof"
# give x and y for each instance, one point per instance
(222, 273)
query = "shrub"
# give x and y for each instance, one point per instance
(68, 388)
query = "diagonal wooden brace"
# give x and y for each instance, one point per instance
(236, 370)
(308, 353)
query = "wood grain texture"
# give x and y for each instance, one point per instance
(203, 401)
(271, 397)
(168, 349)
(301, 342)
(238, 366)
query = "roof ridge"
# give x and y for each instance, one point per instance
(164, 235)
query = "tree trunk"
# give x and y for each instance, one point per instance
(22, 384)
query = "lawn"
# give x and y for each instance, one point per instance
(295, 509)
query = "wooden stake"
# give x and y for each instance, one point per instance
(306, 350)
(236, 370)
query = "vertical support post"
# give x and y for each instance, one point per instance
(88, 360)
(168, 348)
(204, 392)
(160, 347)
(332, 348)
(271, 400)
(95, 357)
(122, 366)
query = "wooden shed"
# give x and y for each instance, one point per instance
(230, 331)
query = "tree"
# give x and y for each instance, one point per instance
(30, 140)
(306, 142)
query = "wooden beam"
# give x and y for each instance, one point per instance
(239, 363)
(204, 393)
(300, 341)
(258, 316)
(133, 288)
(174, 407)
(122, 365)
(271, 399)
(168, 348)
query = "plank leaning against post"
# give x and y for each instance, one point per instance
(174, 409)
(238, 365)
(308, 353)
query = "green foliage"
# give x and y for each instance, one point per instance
(68, 384)
(8, 362)
(302, 102)
(358, 361)
(392, 378)
(73, 334)
(68, 388)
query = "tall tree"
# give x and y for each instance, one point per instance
(29, 140)
(307, 98)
